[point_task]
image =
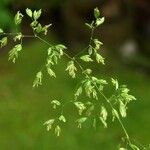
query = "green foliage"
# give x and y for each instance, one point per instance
(103, 116)
(99, 20)
(90, 86)
(62, 118)
(18, 37)
(55, 103)
(1, 30)
(29, 12)
(37, 14)
(80, 121)
(57, 130)
(38, 79)
(100, 59)
(51, 72)
(96, 12)
(18, 18)
(115, 83)
(86, 58)
(3, 41)
(80, 106)
(121, 148)
(13, 54)
(49, 124)
(71, 68)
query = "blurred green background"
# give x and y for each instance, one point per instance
(126, 37)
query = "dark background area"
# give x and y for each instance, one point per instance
(126, 38)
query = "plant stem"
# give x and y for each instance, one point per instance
(119, 120)
(14, 34)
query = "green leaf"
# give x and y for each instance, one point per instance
(1, 31)
(60, 48)
(102, 81)
(86, 58)
(51, 72)
(94, 123)
(38, 79)
(13, 54)
(115, 114)
(78, 92)
(19, 36)
(55, 103)
(49, 124)
(100, 59)
(3, 41)
(124, 96)
(90, 50)
(96, 13)
(34, 23)
(87, 71)
(89, 26)
(54, 53)
(103, 116)
(37, 14)
(80, 121)
(62, 118)
(97, 44)
(29, 12)
(99, 21)
(115, 83)
(18, 18)
(52, 56)
(80, 106)
(71, 69)
(45, 28)
(88, 88)
(89, 108)
(122, 109)
(38, 28)
(57, 130)
(94, 94)
(99, 82)
(121, 148)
